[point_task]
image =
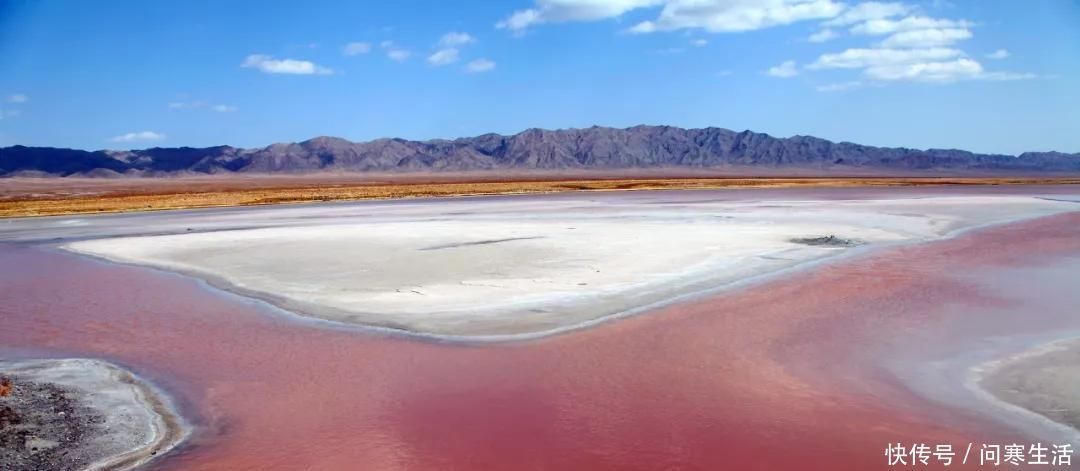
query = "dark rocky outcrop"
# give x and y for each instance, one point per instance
(830, 240)
(533, 149)
(40, 424)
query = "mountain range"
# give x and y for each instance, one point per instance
(638, 147)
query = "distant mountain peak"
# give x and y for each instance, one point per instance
(637, 147)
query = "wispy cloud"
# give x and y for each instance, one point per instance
(270, 65)
(858, 58)
(713, 16)
(16, 99)
(143, 136)
(449, 52)
(443, 57)
(926, 37)
(946, 71)
(910, 46)
(839, 87)
(394, 52)
(914, 48)
(558, 11)
(195, 105)
(867, 11)
(184, 105)
(356, 48)
(888, 26)
(938, 65)
(824, 35)
(1007, 76)
(699, 42)
(455, 39)
(520, 20)
(479, 65)
(998, 54)
(729, 16)
(786, 69)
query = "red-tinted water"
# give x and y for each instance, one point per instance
(779, 376)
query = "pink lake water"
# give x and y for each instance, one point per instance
(818, 370)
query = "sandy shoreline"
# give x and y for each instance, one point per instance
(501, 270)
(25, 197)
(110, 419)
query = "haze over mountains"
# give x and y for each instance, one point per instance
(639, 147)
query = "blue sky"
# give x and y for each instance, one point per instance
(989, 76)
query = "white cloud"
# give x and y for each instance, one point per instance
(998, 54)
(194, 105)
(946, 71)
(839, 87)
(394, 52)
(18, 98)
(443, 57)
(1002, 76)
(520, 20)
(786, 69)
(887, 26)
(822, 36)
(454, 39)
(479, 65)
(722, 16)
(9, 113)
(138, 137)
(700, 42)
(862, 58)
(868, 11)
(926, 38)
(270, 65)
(559, 11)
(183, 105)
(939, 65)
(915, 48)
(356, 48)
(710, 15)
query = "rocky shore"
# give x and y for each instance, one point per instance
(80, 414)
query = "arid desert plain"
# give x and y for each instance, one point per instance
(682, 329)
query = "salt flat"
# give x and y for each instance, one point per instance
(525, 266)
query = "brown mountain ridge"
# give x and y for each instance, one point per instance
(638, 147)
